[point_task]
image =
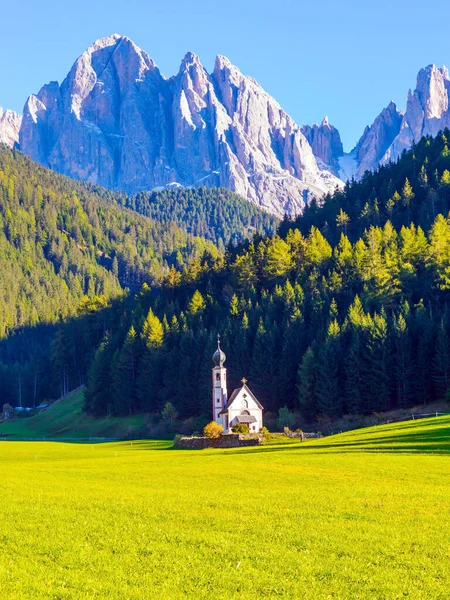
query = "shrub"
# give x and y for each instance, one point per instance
(213, 430)
(265, 434)
(169, 413)
(240, 428)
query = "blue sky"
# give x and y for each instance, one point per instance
(346, 59)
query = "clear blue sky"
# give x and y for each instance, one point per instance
(346, 59)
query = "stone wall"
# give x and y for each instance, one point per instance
(231, 440)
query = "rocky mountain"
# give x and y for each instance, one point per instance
(368, 153)
(326, 144)
(117, 121)
(9, 127)
(427, 110)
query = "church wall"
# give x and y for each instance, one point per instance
(225, 441)
(238, 406)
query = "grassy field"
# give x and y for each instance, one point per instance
(65, 418)
(364, 514)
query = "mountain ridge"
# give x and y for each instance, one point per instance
(116, 120)
(138, 130)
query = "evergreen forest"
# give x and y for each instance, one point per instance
(342, 311)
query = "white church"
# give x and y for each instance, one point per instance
(242, 407)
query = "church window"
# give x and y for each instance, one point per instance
(245, 412)
(217, 376)
(244, 404)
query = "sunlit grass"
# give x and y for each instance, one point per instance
(365, 514)
(66, 419)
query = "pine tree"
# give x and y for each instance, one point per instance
(328, 389)
(441, 364)
(307, 385)
(197, 303)
(353, 376)
(125, 374)
(97, 393)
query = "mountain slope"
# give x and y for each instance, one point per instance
(116, 121)
(62, 244)
(317, 320)
(66, 419)
(214, 214)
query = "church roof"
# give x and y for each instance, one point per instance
(236, 392)
(246, 419)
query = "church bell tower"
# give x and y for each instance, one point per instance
(219, 384)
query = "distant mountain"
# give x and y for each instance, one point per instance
(326, 144)
(9, 127)
(427, 113)
(63, 244)
(427, 110)
(117, 121)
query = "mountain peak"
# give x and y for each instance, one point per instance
(222, 62)
(10, 123)
(139, 130)
(190, 60)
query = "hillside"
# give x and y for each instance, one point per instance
(215, 214)
(360, 515)
(306, 315)
(60, 242)
(415, 189)
(68, 252)
(66, 419)
(320, 322)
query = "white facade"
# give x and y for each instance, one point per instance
(242, 407)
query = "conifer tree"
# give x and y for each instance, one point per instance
(328, 390)
(441, 364)
(307, 385)
(124, 375)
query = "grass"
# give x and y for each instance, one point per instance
(65, 418)
(364, 514)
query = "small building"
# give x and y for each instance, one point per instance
(241, 407)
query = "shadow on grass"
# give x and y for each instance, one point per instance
(436, 441)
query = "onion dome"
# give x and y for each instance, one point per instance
(219, 356)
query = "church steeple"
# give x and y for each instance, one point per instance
(219, 356)
(219, 382)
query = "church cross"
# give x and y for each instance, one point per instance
(244, 381)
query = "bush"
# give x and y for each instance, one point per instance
(240, 428)
(213, 430)
(265, 434)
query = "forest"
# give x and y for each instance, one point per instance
(343, 311)
(215, 214)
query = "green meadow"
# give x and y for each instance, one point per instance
(364, 514)
(66, 419)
